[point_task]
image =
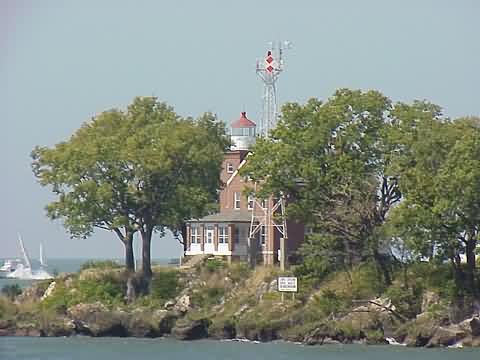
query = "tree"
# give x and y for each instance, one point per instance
(437, 163)
(91, 180)
(334, 150)
(144, 170)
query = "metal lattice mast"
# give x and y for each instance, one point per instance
(269, 70)
(270, 213)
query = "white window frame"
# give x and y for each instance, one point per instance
(195, 235)
(230, 169)
(251, 200)
(264, 203)
(223, 234)
(237, 200)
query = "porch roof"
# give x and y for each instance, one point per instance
(230, 216)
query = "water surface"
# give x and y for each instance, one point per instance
(83, 348)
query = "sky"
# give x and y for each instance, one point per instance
(62, 62)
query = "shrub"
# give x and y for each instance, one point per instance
(100, 264)
(109, 290)
(238, 272)
(207, 297)
(214, 265)
(366, 282)
(164, 286)
(7, 308)
(11, 291)
(408, 302)
(330, 303)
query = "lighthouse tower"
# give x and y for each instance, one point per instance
(242, 133)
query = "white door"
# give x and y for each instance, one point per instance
(209, 247)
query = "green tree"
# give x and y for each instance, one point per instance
(145, 170)
(437, 163)
(328, 158)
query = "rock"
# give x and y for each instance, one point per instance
(57, 328)
(169, 304)
(319, 335)
(446, 336)
(222, 330)
(191, 329)
(164, 321)
(273, 286)
(418, 332)
(475, 326)
(183, 304)
(27, 330)
(96, 320)
(240, 311)
(5, 324)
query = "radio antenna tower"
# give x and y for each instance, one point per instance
(268, 215)
(269, 70)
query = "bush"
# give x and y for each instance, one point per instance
(100, 264)
(109, 290)
(366, 282)
(164, 286)
(408, 302)
(7, 309)
(238, 272)
(11, 291)
(330, 303)
(208, 297)
(214, 265)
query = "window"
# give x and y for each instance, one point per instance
(263, 235)
(251, 200)
(236, 200)
(194, 235)
(222, 234)
(264, 204)
(229, 168)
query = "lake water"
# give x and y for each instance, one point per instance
(80, 348)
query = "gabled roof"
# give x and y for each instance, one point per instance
(243, 122)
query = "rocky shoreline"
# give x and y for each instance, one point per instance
(96, 320)
(247, 310)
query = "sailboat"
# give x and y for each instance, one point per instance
(24, 270)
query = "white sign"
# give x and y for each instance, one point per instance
(287, 284)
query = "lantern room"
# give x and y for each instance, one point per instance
(242, 133)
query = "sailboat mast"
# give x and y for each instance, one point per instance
(24, 252)
(42, 260)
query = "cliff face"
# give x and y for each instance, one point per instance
(223, 301)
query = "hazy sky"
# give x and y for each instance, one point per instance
(62, 62)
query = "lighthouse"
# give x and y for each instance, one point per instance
(242, 133)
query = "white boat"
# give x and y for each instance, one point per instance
(24, 271)
(9, 266)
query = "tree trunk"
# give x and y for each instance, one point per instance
(129, 258)
(471, 268)
(146, 254)
(384, 266)
(184, 237)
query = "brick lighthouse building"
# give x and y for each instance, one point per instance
(226, 233)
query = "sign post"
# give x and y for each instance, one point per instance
(287, 284)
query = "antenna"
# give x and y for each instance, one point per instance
(268, 215)
(269, 70)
